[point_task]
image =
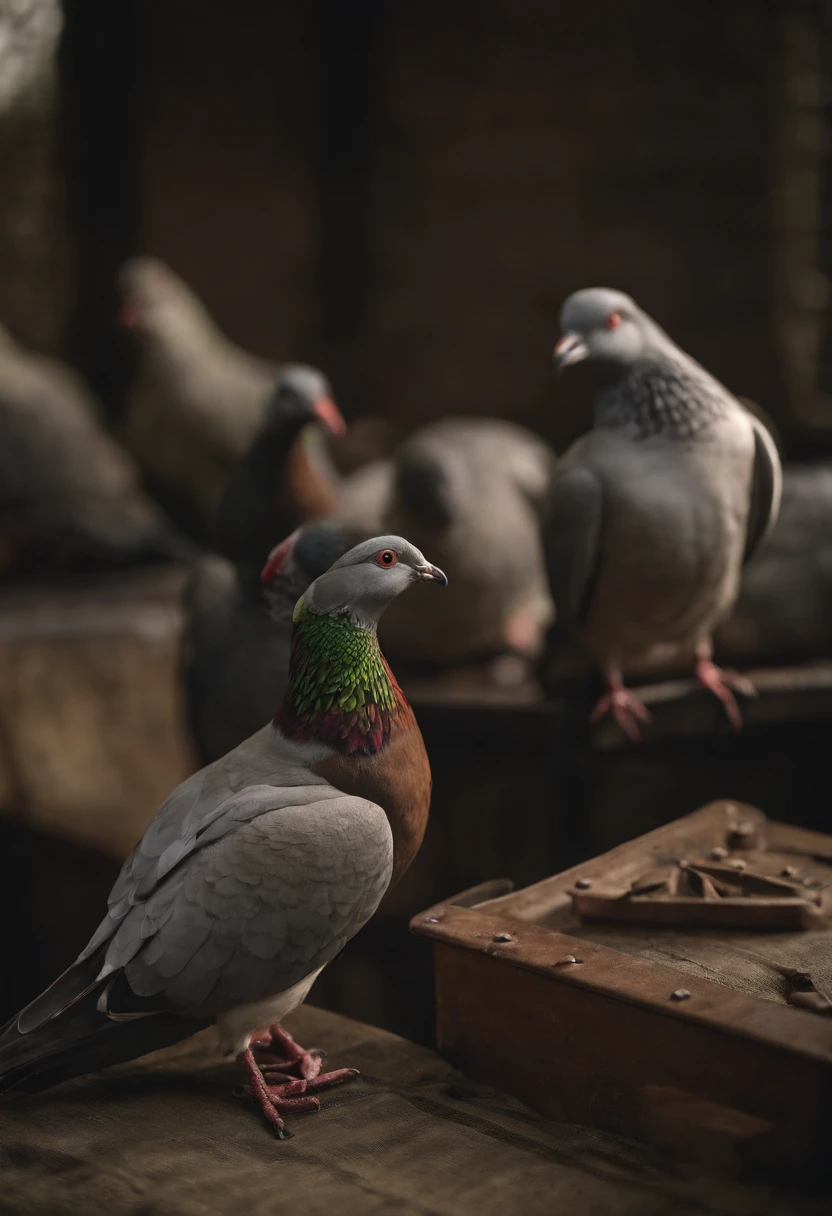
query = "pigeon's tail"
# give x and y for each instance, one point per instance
(78, 1039)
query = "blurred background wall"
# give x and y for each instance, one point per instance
(406, 192)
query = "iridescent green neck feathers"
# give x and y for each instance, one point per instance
(340, 689)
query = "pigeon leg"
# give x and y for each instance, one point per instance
(722, 684)
(624, 705)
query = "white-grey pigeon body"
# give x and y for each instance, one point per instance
(70, 497)
(259, 868)
(652, 514)
(471, 491)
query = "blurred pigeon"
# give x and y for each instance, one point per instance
(275, 487)
(198, 399)
(470, 490)
(70, 497)
(258, 869)
(652, 514)
(238, 632)
(238, 629)
(784, 611)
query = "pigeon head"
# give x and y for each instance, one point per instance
(303, 394)
(340, 691)
(365, 580)
(310, 550)
(605, 328)
(154, 298)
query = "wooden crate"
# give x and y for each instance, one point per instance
(663, 1034)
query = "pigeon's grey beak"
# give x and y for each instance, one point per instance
(431, 574)
(570, 349)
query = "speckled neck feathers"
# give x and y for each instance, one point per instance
(340, 689)
(668, 395)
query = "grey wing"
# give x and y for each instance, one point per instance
(766, 489)
(571, 537)
(206, 807)
(260, 909)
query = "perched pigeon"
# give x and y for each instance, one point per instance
(70, 498)
(258, 869)
(198, 399)
(652, 514)
(470, 490)
(238, 632)
(238, 626)
(784, 611)
(275, 488)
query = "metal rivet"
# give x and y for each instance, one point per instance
(737, 863)
(583, 883)
(567, 958)
(681, 994)
(788, 872)
(683, 865)
(501, 937)
(719, 852)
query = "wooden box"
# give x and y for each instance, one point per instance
(688, 1036)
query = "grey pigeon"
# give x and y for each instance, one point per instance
(70, 497)
(653, 513)
(258, 869)
(238, 631)
(784, 611)
(470, 490)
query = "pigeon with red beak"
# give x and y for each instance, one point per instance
(238, 613)
(276, 487)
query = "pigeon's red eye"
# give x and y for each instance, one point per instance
(614, 320)
(387, 557)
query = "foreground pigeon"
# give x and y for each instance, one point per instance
(238, 633)
(469, 490)
(70, 498)
(258, 869)
(198, 399)
(652, 514)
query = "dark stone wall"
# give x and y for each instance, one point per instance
(528, 149)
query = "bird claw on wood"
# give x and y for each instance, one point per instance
(271, 1081)
(627, 710)
(723, 684)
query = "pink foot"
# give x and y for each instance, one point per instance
(286, 1082)
(275, 1048)
(721, 683)
(626, 708)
